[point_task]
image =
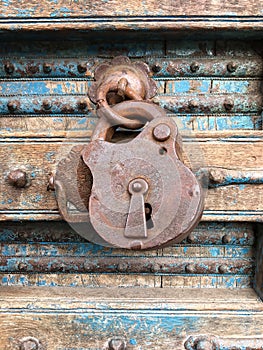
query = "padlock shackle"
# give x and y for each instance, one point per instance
(140, 110)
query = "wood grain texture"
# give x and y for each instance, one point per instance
(39, 160)
(205, 234)
(31, 9)
(82, 16)
(53, 254)
(159, 319)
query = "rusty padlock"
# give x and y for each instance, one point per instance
(142, 196)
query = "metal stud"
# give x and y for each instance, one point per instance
(161, 132)
(123, 267)
(9, 68)
(67, 109)
(88, 266)
(223, 269)
(226, 239)
(12, 106)
(194, 67)
(229, 104)
(22, 266)
(116, 344)
(232, 67)
(193, 104)
(82, 67)
(17, 178)
(47, 105)
(30, 343)
(47, 68)
(156, 68)
(82, 104)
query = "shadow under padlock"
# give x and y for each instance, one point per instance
(138, 194)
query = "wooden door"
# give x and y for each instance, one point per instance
(59, 291)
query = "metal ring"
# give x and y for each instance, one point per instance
(143, 111)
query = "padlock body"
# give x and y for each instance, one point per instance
(174, 196)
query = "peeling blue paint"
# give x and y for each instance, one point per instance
(50, 156)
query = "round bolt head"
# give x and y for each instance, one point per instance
(162, 132)
(228, 104)
(138, 186)
(12, 106)
(194, 67)
(156, 68)
(9, 68)
(88, 266)
(123, 267)
(226, 239)
(193, 104)
(117, 344)
(17, 178)
(82, 67)
(47, 105)
(47, 68)
(232, 67)
(22, 266)
(82, 104)
(223, 269)
(30, 343)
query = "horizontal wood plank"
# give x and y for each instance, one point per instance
(216, 233)
(235, 155)
(163, 318)
(115, 8)
(66, 125)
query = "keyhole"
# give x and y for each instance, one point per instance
(148, 215)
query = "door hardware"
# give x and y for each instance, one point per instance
(139, 194)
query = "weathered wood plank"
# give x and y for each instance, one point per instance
(130, 299)
(172, 67)
(208, 103)
(122, 265)
(197, 48)
(239, 155)
(207, 67)
(54, 125)
(88, 250)
(214, 86)
(81, 280)
(142, 281)
(209, 282)
(236, 48)
(230, 234)
(157, 319)
(32, 9)
(181, 103)
(90, 50)
(57, 87)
